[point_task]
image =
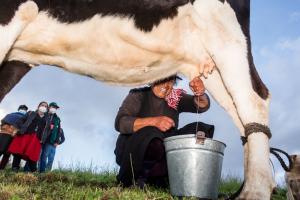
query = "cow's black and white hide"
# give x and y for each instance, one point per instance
(133, 42)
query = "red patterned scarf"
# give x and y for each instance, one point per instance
(174, 97)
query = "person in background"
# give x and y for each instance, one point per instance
(20, 115)
(23, 109)
(50, 138)
(146, 117)
(26, 145)
(10, 125)
(52, 151)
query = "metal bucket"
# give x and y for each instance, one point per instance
(194, 166)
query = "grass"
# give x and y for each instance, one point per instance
(69, 184)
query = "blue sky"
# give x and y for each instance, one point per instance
(88, 107)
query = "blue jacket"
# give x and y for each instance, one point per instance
(15, 119)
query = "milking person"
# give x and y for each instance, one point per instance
(148, 115)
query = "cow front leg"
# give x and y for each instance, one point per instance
(11, 73)
(10, 32)
(252, 108)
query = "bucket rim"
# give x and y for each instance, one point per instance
(190, 136)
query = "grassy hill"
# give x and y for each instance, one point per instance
(81, 185)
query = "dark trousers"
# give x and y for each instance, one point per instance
(4, 160)
(30, 166)
(141, 155)
(155, 171)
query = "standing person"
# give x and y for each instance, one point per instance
(20, 115)
(22, 109)
(10, 125)
(52, 150)
(147, 116)
(26, 145)
(50, 138)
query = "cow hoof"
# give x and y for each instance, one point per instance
(28, 11)
(254, 195)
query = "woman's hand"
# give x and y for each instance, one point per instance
(163, 123)
(197, 86)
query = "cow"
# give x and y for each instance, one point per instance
(133, 42)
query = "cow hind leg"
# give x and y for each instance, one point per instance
(216, 88)
(10, 32)
(252, 108)
(10, 74)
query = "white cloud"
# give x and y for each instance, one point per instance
(290, 44)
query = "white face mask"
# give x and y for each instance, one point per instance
(52, 110)
(43, 109)
(23, 112)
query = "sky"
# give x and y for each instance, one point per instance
(89, 107)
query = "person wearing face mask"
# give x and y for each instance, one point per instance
(50, 138)
(22, 109)
(10, 124)
(148, 115)
(26, 145)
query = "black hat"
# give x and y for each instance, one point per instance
(178, 77)
(173, 77)
(23, 107)
(53, 104)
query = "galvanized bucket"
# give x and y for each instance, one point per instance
(194, 165)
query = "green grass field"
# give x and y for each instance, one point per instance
(81, 185)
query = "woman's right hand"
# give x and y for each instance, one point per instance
(163, 123)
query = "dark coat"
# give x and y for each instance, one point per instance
(49, 135)
(33, 124)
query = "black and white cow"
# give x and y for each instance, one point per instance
(133, 42)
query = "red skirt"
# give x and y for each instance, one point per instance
(28, 146)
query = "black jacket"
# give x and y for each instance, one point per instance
(33, 124)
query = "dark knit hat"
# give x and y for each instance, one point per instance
(23, 107)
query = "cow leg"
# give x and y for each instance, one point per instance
(10, 74)
(216, 88)
(235, 72)
(10, 32)
(225, 41)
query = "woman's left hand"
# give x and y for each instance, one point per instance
(197, 86)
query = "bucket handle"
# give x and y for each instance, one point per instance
(200, 137)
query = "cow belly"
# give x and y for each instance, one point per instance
(109, 73)
(92, 48)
